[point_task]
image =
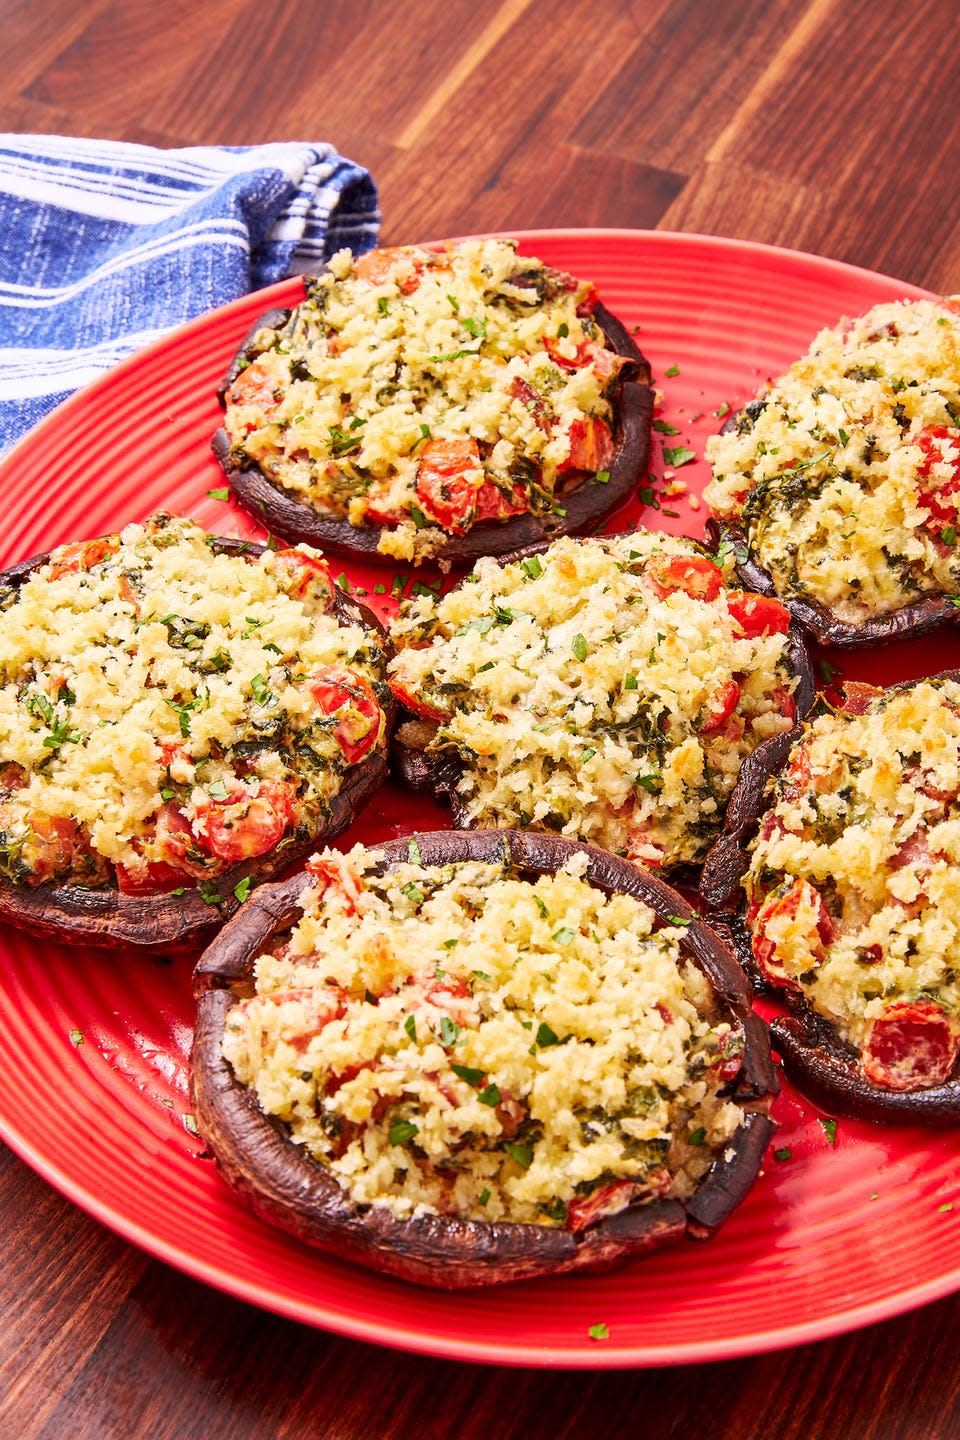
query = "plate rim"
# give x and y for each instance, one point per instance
(391, 1334)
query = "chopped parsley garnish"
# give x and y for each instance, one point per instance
(784, 1153)
(947, 1205)
(829, 1128)
(483, 1197)
(579, 647)
(220, 492)
(544, 913)
(602, 476)
(402, 1130)
(76, 1037)
(563, 936)
(489, 1096)
(673, 370)
(454, 355)
(522, 1154)
(418, 517)
(546, 1035)
(217, 790)
(413, 852)
(678, 455)
(629, 681)
(665, 428)
(601, 1331)
(843, 437)
(697, 1137)
(190, 1124)
(410, 1025)
(412, 892)
(722, 410)
(532, 567)
(210, 894)
(261, 690)
(449, 1031)
(652, 783)
(243, 887)
(949, 535)
(383, 305)
(469, 1074)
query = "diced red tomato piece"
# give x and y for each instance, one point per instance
(612, 1198)
(583, 352)
(786, 905)
(591, 445)
(256, 385)
(530, 399)
(758, 614)
(796, 778)
(379, 513)
(378, 266)
(333, 872)
(53, 847)
(642, 849)
(785, 704)
(342, 692)
(693, 574)
(939, 493)
(856, 696)
(911, 1046)
(248, 822)
(493, 504)
(82, 555)
(156, 877)
(448, 479)
(722, 707)
(305, 576)
(12, 777)
(416, 702)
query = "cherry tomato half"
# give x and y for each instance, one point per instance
(247, 822)
(83, 555)
(343, 693)
(305, 576)
(448, 479)
(941, 447)
(694, 575)
(911, 1046)
(758, 614)
(786, 905)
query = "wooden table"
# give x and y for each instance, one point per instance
(826, 125)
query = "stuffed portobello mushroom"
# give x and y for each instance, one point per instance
(181, 716)
(467, 1059)
(429, 405)
(607, 689)
(850, 881)
(839, 484)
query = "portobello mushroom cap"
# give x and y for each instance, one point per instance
(919, 617)
(816, 1058)
(587, 505)
(106, 917)
(287, 1188)
(439, 773)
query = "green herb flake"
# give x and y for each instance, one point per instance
(76, 1037)
(484, 1197)
(489, 1096)
(190, 1124)
(410, 1025)
(383, 305)
(469, 1074)
(672, 371)
(679, 919)
(875, 1195)
(579, 647)
(602, 477)
(827, 671)
(563, 936)
(243, 887)
(532, 567)
(412, 892)
(843, 437)
(665, 428)
(221, 492)
(722, 410)
(652, 783)
(402, 1130)
(588, 754)
(697, 1137)
(546, 1035)
(629, 681)
(829, 1128)
(260, 690)
(601, 1331)
(413, 852)
(784, 1153)
(209, 893)
(947, 1205)
(544, 913)
(949, 535)
(449, 1031)
(217, 790)
(522, 1154)
(418, 517)
(678, 455)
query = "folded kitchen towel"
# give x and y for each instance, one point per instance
(104, 246)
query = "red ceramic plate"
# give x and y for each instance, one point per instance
(845, 1226)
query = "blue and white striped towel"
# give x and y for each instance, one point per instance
(105, 246)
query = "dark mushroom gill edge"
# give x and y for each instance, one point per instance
(285, 1187)
(588, 505)
(106, 917)
(815, 1057)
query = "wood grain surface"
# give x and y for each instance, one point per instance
(826, 125)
